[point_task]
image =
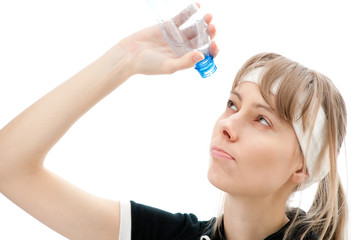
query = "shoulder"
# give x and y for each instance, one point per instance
(300, 227)
(148, 222)
(311, 236)
(295, 228)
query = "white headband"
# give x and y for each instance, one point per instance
(311, 147)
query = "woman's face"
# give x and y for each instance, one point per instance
(253, 151)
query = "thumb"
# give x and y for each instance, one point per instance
(189, 60)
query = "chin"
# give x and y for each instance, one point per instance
(222, 181)
(217, 179)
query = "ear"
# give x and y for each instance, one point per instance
(299, 175)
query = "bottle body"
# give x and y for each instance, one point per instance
(184, 29)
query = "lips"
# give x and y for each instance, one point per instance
(217, 152)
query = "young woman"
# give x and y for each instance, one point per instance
(280, 132)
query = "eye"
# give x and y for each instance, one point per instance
(230, 104)
(263, 120)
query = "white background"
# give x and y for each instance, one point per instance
(148, 141)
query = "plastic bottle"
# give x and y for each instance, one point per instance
(184, 28)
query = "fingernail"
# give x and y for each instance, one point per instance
(198, 57)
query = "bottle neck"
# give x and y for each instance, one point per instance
(206, 67)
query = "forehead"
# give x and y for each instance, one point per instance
(251, 91)
(245, 90)
(259, 76)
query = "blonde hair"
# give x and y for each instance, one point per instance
(299, 94)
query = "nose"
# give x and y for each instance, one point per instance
(229, 128)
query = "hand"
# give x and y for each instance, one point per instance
(149, 53)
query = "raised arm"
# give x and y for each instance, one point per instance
(27, 139)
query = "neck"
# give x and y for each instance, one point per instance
(248, 218)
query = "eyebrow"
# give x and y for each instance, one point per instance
(257, 105)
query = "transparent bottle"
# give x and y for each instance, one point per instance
(184, 28)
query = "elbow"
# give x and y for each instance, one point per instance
(2, 169)
(16, 160)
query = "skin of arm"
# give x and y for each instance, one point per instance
(26, 140)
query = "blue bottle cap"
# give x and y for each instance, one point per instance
(206, 67)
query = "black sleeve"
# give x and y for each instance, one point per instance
(155, 224)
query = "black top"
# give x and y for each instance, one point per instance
(155, 224)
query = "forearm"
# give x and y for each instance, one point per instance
(25, 141)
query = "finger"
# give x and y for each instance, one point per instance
(212, 30)
(208, 18)
(200, 26)
(214, 49)
(187, 61)
(197, 28)
(185, 14)
(190, 59)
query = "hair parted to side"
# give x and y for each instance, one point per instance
(299, 93)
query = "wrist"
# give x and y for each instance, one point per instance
(118, 64)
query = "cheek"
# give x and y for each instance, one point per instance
(271, 164)
(262, 169)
